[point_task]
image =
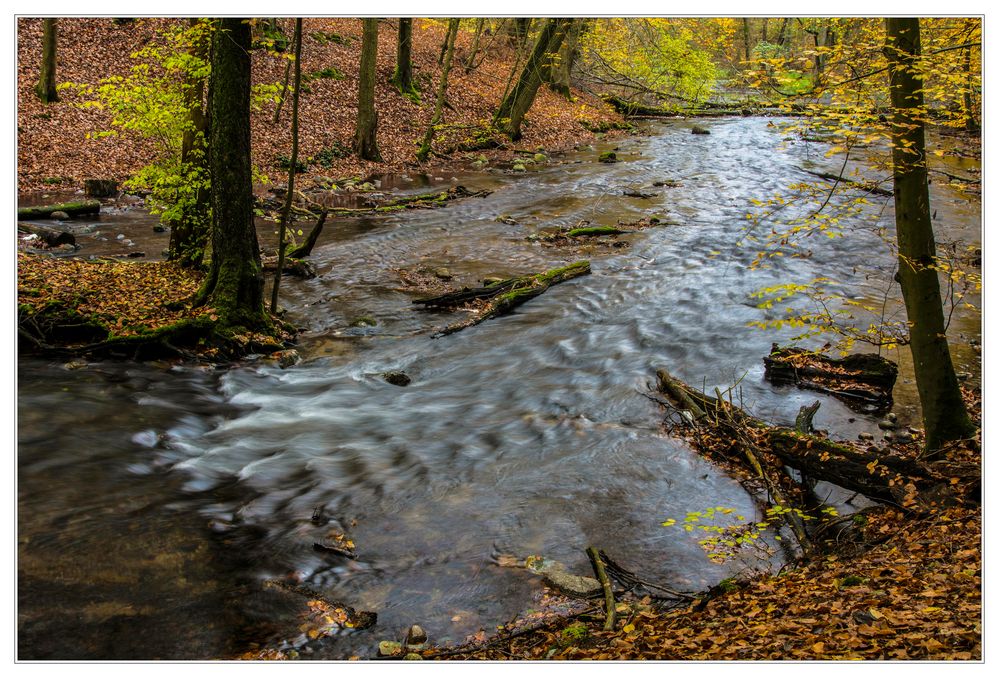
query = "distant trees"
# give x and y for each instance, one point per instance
(944, 415)
(515, 105)
(234, 284)
(365, 137)
(46, 87)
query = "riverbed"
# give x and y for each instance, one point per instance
(154, 500)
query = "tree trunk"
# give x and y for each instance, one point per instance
(518, 102)
(46, 87)
(234, 286)
(403, 76)
(944, 415)
(470, 61)
(365, 139)
(970, 124)
(745, 36)
(517, 31)
(452, 34)
(286, 212)
(558, 74)
(782, 34)
(189, 234)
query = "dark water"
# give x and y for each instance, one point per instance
(154, 501)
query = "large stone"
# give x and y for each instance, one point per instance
(397, 378)
(416, 635)
(389, 648)
(697, 129)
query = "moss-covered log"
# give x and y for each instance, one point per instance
(73, 209)
(502, 297)
(865, 378)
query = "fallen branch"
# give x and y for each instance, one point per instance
(610, 604)
(869, 186)
(503, 296)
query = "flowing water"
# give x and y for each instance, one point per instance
(154, 500)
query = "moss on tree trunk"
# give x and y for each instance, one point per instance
(365, 137)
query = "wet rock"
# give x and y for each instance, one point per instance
(416, 635)
(519, 167)
(136, 255)
(963, 376)
(891, 416)
(607, 157)
(506, 219)
(120, 236)
(540, 157)
(697, 129)
(363, 321)
(60, 215)
(397, 378)
(76, 364)
(412, 656)
(555, 576)
(389, 648)
(491, 280)
(286, 358)
(864, 435)
(886, 424)
(443, 273)
(159, 228)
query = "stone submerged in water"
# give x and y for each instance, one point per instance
(608, 157)
(697, 129)
(389, 648)
(556, 577)
(60, 215)
(397, 378)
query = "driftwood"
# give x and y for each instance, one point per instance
(609, 602)
(305, 249)
(52, 237)
(502, 297)
(869, 186)
(885, 475)
(73, 209)
(864, 379)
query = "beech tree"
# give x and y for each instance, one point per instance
(944, 415)
(365, 138)
(515, 105)
(46, 87)
(234, 286)
(452, 34)
(403, 76)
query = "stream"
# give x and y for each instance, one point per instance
(155, 499)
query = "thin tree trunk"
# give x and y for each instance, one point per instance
(970, 124)
(46, 87)
(365, 139)
(517, 103)
(452, 34)
(470, 61)
(189, 233)
(944, 415)
(745, 36)
(403, 76)
(234, 287)
(284, 92)
(286, 212)
(782, 34)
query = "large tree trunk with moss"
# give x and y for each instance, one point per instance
(365, 138)
(517, 102)
(234, 286)
(944, 415)
(189, 233)
(403, 76)
(558, 74)
(452, 34)
(46, 87)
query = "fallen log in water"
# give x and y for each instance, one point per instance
(52, 237)
(72, 209)
(865, 379)
(502, 297)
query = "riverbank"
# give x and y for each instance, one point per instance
(59, 145)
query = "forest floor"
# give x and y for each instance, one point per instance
(57, 149)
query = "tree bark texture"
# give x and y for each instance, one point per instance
(403, 76)
(46, 87)
(517, 102)
(365, 138)
(944, 415)
(452, 34)
(234, 286)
